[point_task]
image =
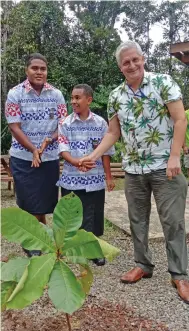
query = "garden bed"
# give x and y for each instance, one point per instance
(92, 317)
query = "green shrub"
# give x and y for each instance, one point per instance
(5, 136)
(184, 170)
(119, 151)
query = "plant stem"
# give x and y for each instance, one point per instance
(68, 321)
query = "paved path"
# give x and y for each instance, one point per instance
(116, 212)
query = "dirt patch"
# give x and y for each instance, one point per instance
(92, 317)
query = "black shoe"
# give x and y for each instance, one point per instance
(99, 262)
(32, 253)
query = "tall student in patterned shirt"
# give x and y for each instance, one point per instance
(79, 135)
(33, 109)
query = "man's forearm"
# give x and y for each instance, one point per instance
(108, 141)
(178, 137)
(67, 157)
(19, 135)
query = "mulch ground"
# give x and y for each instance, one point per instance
(92, 317)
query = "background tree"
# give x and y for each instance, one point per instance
(79, 40)
(140, 16)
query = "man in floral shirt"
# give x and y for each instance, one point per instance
(147, 108)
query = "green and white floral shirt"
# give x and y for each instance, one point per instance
(146, 125)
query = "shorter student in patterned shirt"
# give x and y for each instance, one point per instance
(78, 135)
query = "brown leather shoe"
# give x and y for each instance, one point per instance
(182, 287)
(135, 275)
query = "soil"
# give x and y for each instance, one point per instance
(92, 317)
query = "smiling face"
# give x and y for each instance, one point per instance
(37, 72)
(132, 65)
(80, 101)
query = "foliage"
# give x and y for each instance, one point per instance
(64, 264)
(184, 170)
(119, 149)
(100, 100)
(79, 39)
(138, 26)
(5, 135)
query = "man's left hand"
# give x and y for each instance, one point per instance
(173, 167)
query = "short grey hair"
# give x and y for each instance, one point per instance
(127, 45)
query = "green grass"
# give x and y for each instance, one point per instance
(109, 226)
(119, 184)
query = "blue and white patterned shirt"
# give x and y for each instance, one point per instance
(79, 138)
(38, 115)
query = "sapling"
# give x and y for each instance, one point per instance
(62, 268)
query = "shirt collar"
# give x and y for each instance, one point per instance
(144, 82)
(76, 117)
(28, 86)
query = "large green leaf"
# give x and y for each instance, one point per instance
(6, 289)
(20, 284)
(14, 269)
(65, 290)
(86, 278)
(68, 215)
(23, 228)
(59, 235)
(49, 231)
(1, 266)
(76, 260)
(109, 251)
(39, 271)
(83, 244)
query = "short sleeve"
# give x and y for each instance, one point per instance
(12, 107)
(111, 108)
(61, 105)
(170, 91)
(111, 151)
(63, 143)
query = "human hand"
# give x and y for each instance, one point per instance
(173, 167)
(87, 162)
(82, 168)
(44, 145)
(110, 184)
(185, 150)
(36, 159)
